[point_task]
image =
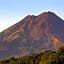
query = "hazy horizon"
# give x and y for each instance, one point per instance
(11, 11)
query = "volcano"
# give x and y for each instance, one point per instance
(32, 34)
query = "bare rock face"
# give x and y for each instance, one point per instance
(32, 34)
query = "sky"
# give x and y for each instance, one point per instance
(12, 11)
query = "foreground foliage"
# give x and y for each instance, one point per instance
(46, 57)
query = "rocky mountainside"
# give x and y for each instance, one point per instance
(32, 34)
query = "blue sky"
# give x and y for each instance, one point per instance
(11, 11)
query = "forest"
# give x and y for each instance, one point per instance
(45, 57)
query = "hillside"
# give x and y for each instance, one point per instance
(46, 57)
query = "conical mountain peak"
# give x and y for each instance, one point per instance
(32, 34)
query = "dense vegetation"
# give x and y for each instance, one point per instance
(46, 57)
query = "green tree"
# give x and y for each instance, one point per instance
(45, 57)
(60, 50)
